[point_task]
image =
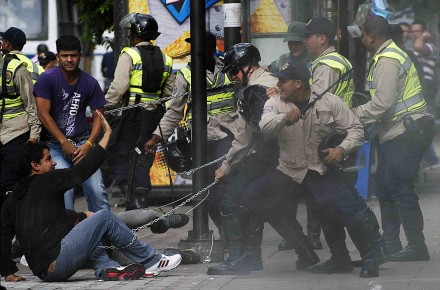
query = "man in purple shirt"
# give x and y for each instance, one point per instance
(62, 95)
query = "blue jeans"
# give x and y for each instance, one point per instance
(94, 189)
(81, 245)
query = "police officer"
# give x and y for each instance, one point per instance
(18, 118)
(143, 73)
(13, 41)
(329, 65)
(297, 52)
(220, 109)
(327, 185)
(326, 70)
(297, 49)
(242, 63)
(404, 131)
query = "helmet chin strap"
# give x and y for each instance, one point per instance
(245, 75)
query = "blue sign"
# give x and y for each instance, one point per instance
(180, 10)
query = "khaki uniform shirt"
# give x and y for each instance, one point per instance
(389, 77)
(292, 160)
(175, 110)
(12, 128)
(243, 138)
(328, 115)
(324, 76)
(121, 82)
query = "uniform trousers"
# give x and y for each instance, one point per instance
(9, 165)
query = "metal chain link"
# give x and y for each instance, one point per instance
(191, 171)
(160, 218)
(162, 100)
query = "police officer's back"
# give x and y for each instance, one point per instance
(143, 74)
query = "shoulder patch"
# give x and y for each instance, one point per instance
(267, 109)
(8, 76)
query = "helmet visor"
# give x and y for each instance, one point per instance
(127, 20)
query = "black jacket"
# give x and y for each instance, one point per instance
(36, 214)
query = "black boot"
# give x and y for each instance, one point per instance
(233, 236)
(139, 199)
(412, 222)
(390, 226)
(313, 228)
(363, 236)
(340, 261)
(172, 221)
(250, 260)
(373, 222)
(292, 231)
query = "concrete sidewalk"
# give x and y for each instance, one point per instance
(279, 272)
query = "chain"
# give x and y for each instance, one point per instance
(160, 218)
(162, 100)
(191, 171)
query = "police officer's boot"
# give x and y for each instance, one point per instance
(250, 260)
(138, 199)
(291, 230)
(314, 233)
(390, 226)
(363, 237)
(313, 225)
(233, 237)
(291, 212)
(372, 220)
(340, 261)
(412, 222)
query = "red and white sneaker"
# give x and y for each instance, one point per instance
(129, 272)
(166, 263)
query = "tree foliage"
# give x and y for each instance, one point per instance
(96, 16)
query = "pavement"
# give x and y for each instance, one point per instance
(279, 268)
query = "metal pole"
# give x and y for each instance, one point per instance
(199, 113)
(246, 21)
(232, 11)
(121, 35)
(200, 238)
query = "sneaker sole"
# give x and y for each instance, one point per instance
(150, 275)
(131, 272)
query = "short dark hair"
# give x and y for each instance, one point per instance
(404, 24)
(378, 26)
(31, 152)
(397, 34)
(68, 42)
(423, 24)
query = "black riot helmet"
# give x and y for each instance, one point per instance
(141, 25)
(251, 102)
(353, 162)
(239, 56)
(178, 150)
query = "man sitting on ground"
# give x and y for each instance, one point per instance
(36, 208)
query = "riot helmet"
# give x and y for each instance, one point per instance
(352, 162)
(178, 150)
(239, 56)
(141, 25)
(251, 102)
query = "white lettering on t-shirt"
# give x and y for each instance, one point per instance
(74, 105)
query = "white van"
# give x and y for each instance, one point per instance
(37, 18)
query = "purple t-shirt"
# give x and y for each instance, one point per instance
(69, 102)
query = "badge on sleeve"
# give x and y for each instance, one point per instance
(8, 76)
